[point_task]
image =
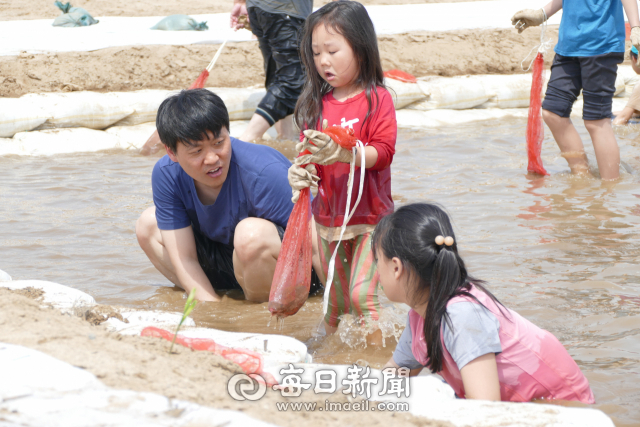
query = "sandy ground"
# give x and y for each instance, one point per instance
(43, 9)
(240, 64)
(144, 364)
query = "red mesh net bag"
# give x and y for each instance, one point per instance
(200, 81)
(292, 278)
(535, 128)
(401, 76)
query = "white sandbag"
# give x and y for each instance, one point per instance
(57, 295)
(19, 115)
(453, 93)
(443, 118)
(241, 102)
(133, 137)
(145, 104)
(59, 141)
(404, 94)
(237, 128)
(4, 276)
(512, 91)
(617, 105)
(79, 109)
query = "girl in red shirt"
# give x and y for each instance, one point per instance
(344, 87)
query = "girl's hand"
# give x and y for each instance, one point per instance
(301, 178)
(323, 149)
(480, 378)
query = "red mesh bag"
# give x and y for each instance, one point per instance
(200, 81)
(292, 278)
(535, 128)
(401, 76)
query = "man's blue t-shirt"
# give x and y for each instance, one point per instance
(256, 186)
(591, 27)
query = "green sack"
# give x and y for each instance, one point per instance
(73, 16)
(180, 23)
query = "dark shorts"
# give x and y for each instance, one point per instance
(595, 75)
(278, 36)
(216, 259)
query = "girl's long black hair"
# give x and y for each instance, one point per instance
(436, 272)
(351, 20)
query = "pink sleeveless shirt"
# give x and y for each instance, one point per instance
(533, 363)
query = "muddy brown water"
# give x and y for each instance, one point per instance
(562, 251)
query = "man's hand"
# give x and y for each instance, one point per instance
(239, 8)
(635, 37)
(323, 149)
(301, 178)
(527, 18)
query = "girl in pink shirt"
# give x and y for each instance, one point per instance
(345, 87)
(456, 327)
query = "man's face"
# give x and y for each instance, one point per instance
(207, 160)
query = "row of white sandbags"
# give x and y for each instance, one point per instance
(95, 110)
(496, 91)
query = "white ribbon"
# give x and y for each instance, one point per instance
(347, 217)
(543, 47)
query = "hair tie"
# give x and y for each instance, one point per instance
(440, 240)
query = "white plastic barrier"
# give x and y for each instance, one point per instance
(404, 94)
(145, 104)
(91, 110)
(37, 36)
(241, 103)
(453, 93)
(39, 390)
(59, 296)
(19, 115)
(430, 397)
(435, 118)
(95, 110)
(59, 141)
(512, 91)
(132, 137)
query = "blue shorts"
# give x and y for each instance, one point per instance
(595, 75)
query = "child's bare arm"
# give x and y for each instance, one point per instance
(370, 157)
(480, 378)
(631, 9)
(552, 7)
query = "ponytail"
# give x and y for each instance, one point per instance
(434, 269)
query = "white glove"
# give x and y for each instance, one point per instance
(527, 18)
(301, 178)
(323, 149)
(635, 37)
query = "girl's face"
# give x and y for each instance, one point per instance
(393, 278)
(333, 57)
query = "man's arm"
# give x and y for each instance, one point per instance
(181, 246)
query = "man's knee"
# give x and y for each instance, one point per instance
(255, 238)
(146, 227)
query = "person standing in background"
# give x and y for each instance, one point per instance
(277, 25)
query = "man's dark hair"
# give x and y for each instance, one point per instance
(188, 115)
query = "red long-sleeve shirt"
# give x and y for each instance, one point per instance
(379, 131)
